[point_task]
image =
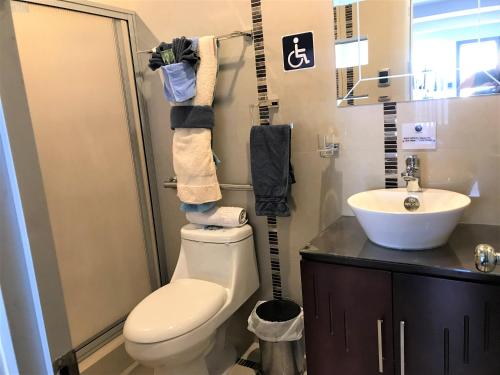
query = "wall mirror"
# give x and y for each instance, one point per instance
(405, 50)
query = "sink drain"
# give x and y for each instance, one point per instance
(411, 203)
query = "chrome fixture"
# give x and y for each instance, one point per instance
(411, 203)
(235, 34)
(171, 183)
(412, 174)
(380, 323)
(270, 103)
(402, 363)
(328, 145)
(247, 34)
(486, 258)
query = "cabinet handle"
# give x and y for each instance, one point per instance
(402, 346)
(380, 349)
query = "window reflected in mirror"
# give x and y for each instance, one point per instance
(402, 50)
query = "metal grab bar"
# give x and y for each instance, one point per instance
(234, 187)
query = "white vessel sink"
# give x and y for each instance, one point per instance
(387, 222)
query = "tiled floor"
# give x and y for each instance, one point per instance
(246, 366)
(248, 363)
(241, 370)
(236, 370)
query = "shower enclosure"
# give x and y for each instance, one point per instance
(79, 71)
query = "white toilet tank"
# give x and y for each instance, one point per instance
(225, 256)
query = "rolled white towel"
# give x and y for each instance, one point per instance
(220, 216)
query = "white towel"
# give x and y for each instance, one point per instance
(194, 166)
(192, 148)
(207, 71)
(220, 216)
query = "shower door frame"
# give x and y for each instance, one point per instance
(49, 287)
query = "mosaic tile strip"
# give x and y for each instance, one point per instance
(335, 26)
(274, 253)
(390, 145)
(349, 34)
(350, 83)
(248, 363)
(348, 21)
(264, 119)
(335, 37)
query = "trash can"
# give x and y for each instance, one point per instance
(279, 324)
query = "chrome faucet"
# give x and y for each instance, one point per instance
(412, 174)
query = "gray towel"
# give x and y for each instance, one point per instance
(272, 173)
(185, 50)
(188, 116)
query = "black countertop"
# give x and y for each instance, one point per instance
(344, 242)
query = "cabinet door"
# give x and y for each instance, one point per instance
(450, 327)
(348, 319)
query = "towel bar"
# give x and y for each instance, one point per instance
(234, 34)
(172, 184)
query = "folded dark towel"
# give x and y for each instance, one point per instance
(272, 173)
(156, 60)
(188, 116)
(183, 51)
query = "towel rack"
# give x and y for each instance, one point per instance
(234, 34)
(172, 184)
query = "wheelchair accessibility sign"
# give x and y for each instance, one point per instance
(298, 51)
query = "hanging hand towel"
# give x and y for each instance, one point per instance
(192, 154)
(220, 216)
(272, 173)
(194, 166)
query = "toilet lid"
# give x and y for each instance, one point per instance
(174, 310)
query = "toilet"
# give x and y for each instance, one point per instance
(179, 329)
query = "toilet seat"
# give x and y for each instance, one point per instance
(174, 310)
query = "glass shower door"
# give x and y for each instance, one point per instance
(80, 88)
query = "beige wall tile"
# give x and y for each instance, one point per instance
(467, 158)
(360, 128)
(307, 98)
(467, 155)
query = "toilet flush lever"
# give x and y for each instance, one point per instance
(486, 258)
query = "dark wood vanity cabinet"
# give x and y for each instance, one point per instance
(450, 327)
(361, 321)
(347, 311)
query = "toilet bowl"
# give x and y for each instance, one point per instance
(181, 325)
